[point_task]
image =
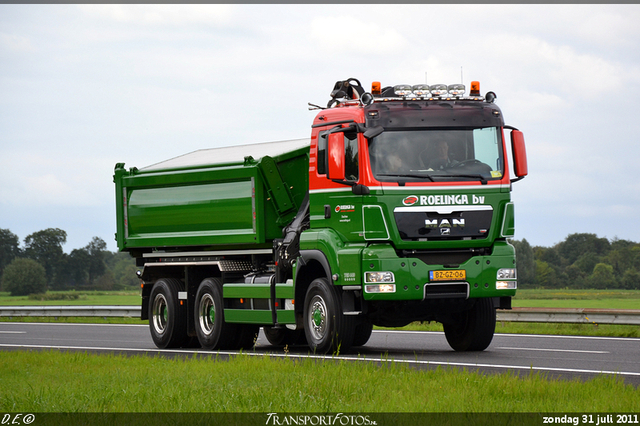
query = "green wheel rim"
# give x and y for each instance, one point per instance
(207, 317)
(318, 318)
(160, 313)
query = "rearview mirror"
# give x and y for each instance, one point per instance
(372, 132)
(520, 167)
(336, 156)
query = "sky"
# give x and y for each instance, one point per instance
(83, 87)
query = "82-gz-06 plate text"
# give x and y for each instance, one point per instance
(450, 275)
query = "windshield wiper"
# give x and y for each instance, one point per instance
(427, 176)
(483, 180)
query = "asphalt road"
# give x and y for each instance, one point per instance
(556, 356)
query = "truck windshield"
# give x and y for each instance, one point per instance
(437, 155)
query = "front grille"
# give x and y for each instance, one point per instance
(418, 224)
(446, 291)
(445, 257)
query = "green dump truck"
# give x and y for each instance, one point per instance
(397, 209)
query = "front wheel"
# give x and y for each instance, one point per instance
(362, 333)
(472, 330)
(326, 328)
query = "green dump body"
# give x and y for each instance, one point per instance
(232, 197)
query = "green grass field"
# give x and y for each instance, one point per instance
(73, 298)
(80, 382)
(599, 299)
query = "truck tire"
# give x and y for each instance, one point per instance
(473, 329)
(167, 318)
(246, 336)
(212, 331)
(362, 333)
(325, 326)
(283, 336)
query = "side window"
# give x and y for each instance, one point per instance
(486, 147)
(322, 153)
(351, 156)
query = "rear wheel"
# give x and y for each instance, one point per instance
(472, 330)
(246, 336)
(325, 326)
(167, 318)
(283, 336)
(212, 330)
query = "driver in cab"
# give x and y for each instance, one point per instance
(437, 158)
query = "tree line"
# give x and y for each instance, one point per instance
(42, 260)
(581, 261)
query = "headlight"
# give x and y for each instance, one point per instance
(379, 282)
(403, 90)
(456, 89)
(506, 273)
(439, 89)
(380, 288)
(421, 90)
(379, 277)
(506, 285)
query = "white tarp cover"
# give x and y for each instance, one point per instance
(229, 154)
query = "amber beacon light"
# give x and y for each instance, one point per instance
(375, 88)
(475, 88)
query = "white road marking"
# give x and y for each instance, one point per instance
(541, 336)
(70, 324)
(335, 357)
(554, 350)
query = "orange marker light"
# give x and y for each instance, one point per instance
(475, 88)
(375, 88)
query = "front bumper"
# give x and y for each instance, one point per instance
(413, 279)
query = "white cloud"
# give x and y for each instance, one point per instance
(143, 83)
(606, 26)
(16, 43)
(534, 107)
(162, 14)
(350, 35)
(53, 180)
(554, 68)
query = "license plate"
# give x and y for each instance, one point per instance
(451, 275)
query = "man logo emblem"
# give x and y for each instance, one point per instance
(445, 231)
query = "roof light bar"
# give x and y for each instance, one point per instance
(403, 90)
(430, 91)
(439, 89)
(421, 90)
(456, 89)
